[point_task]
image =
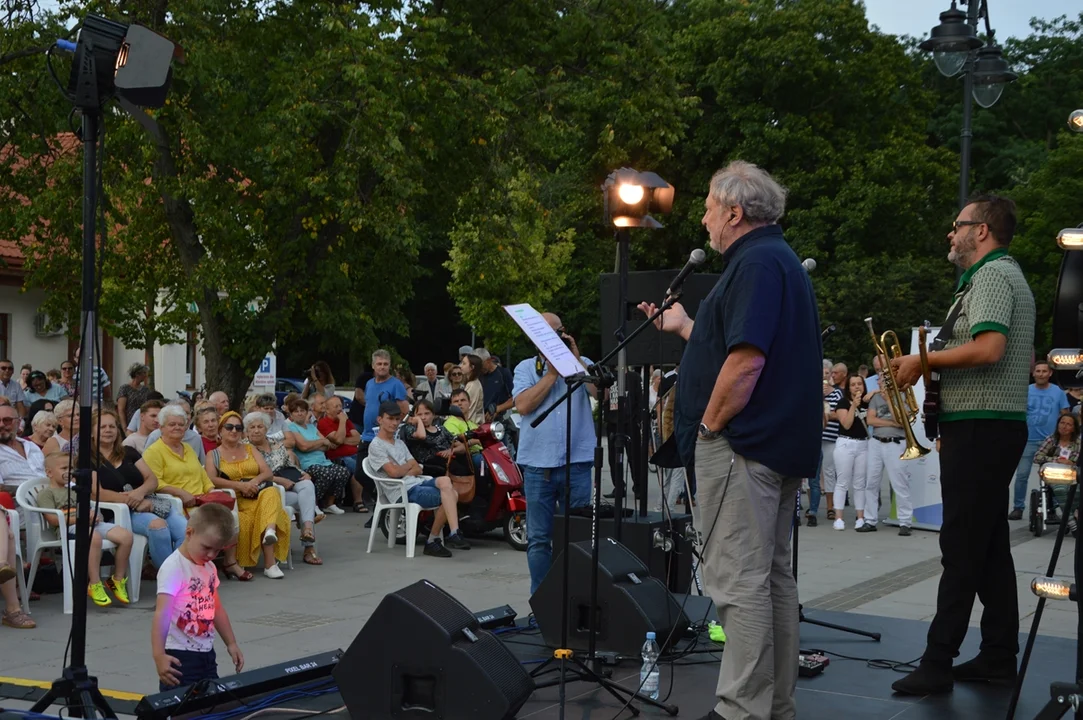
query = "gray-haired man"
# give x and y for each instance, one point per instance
(750, 367)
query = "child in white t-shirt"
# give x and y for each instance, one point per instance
(188, 610)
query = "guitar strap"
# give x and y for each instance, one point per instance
(948, 328)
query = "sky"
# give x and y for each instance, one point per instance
(1009, 18)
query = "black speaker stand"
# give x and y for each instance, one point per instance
(801, 608)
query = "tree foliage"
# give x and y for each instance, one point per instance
(312, 152)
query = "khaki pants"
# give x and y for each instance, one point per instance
(747, 513)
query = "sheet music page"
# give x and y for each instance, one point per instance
(545, 338)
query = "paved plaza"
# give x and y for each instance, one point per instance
(321, 608)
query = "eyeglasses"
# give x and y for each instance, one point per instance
(963, 223)
(67, 367)
(230, 426)
(7, 421)
(7, 367)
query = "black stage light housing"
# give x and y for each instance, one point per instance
(629, 196)
(112, 59)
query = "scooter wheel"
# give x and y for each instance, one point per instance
(515, 530)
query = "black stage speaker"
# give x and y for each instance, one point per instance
(423, 656)
(630, 602)
(674, 568)
(651, 347)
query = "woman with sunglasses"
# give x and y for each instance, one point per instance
(67, 377)
(265, 528)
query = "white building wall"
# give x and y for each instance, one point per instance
(25, 346)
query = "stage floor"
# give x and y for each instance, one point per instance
(846, 689)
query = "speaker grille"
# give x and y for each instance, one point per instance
(501, 667)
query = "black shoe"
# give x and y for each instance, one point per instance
(368, 525)
(456, 541)
(905, 530)
(928, 679)
(867, 527)
(437, 549)
(1016, 514)
(1053, 518)
(988, 670)
(810, 520)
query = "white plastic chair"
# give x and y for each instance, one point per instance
(20, 578)
(291, 516)
(384, 503)
(39, 538)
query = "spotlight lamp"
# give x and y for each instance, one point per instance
(951, 41)
(1053, 589)
(630, 196)
(112, 59)
(1070, 238)
(1058, 474)
(1075, 121)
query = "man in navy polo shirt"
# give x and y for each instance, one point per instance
(749, 415)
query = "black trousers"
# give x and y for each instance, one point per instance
(978, 459)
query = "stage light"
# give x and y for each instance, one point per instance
(629, 196)
(1053, 589)
(117, 60)
(1066, 359)
(1075, 121)
(1057, 474)
(1070, 238)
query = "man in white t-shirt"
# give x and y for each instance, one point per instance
(20, 460)
(389, 454)
(148, 423)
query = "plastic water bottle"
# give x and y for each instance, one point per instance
(648, 674)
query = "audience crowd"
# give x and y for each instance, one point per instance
(163, 458)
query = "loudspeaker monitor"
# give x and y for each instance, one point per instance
(423, 656)
(631, 603)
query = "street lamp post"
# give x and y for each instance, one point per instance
(956, 48)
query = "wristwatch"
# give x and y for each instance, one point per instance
(707, 433)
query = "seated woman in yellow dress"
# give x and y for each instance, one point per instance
(265, 528)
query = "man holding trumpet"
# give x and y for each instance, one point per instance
(983, 358)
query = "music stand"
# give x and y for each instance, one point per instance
(563, 657)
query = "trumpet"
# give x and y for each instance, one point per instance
(904, 405)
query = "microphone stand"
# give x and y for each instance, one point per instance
(589, 669)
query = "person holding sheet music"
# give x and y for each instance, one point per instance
(544, 450)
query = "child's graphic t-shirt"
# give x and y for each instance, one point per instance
(193, 588)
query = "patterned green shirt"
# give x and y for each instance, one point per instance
(999, 300)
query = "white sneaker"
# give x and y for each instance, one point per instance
(269, 537)
(274, 572)
(859, 524)
(839, 524)
(334, 510)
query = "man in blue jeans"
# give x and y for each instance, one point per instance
(543, 450)
(1045, 402)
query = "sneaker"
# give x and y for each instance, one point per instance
(97, 594)
(905, 530)
(274, 572)
(456, 541)
(120, 589)
(859, 524)
(334, 510)
(810, 520)
(436, 548)
(269, 537)
(1016, 514)
(866, 528)
(839, 524)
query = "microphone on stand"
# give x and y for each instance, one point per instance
(828, 332)
(809, 264)
(696, 258)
